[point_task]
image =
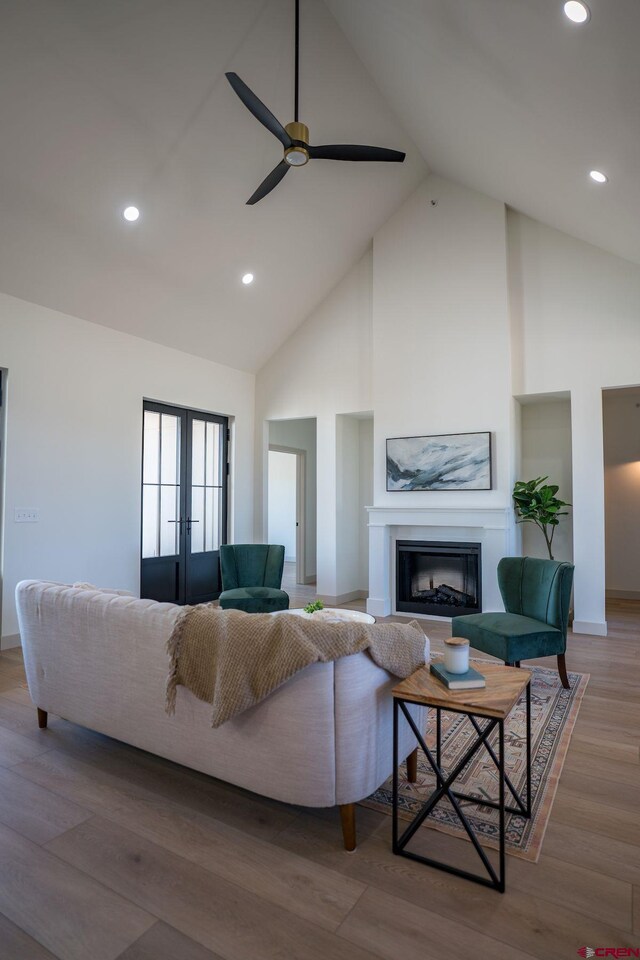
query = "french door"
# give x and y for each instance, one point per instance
(184, 503)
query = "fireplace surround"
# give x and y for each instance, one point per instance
(438, 578)
(491, 526)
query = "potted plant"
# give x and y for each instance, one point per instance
(535, 502)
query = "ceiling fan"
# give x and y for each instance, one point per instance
(294, 137)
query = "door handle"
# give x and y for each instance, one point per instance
(189, 522)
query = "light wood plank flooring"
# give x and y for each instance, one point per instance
(107, 852)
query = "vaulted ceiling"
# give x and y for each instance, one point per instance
(513, 99)
(108, 103)
(105, 104)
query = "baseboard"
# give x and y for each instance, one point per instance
(622, 594)
(342, 598)
(378, 607)
(594, 629)
(10, 641)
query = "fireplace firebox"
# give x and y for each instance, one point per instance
(437, 578)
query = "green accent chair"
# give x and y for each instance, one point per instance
(251, 575)
(536, 595)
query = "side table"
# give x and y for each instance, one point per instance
(492, 704)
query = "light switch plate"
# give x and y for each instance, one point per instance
(26, 515)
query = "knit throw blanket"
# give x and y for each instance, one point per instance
(233, 660)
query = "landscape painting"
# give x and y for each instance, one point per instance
(454, 461)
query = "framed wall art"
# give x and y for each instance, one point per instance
(451, 461)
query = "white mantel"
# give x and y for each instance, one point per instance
(492, 527)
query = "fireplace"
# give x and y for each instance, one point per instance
(437, 578)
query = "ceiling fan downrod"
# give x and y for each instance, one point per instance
(294, 137)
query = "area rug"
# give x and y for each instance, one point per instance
(553, 715)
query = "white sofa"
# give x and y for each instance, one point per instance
(98, 659)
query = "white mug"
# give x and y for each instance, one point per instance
(456, 655)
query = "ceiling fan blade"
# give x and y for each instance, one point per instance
(269, 182)
(352, 151)
(258, 109)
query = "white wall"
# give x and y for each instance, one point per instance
(282, 501)
(301, 435)
(441, 335)
(365, 496)
(354, 486)
(324, 369)
(577, 313)
(622, 492)
(74, 429)
(460, 309)
(545, 450)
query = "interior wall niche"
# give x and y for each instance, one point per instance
(354, 492)
(621, 435)
(545, 450)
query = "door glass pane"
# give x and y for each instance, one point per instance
(213, 503)
(197, 514)
(213, 455)
(169, 529)
(197, 457)
(160, 486)
(170, 459)
(208, 525)
(150, 520)
(151, 447)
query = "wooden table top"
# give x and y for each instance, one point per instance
(497, 699)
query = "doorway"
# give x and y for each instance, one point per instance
(295, 441)
(621, 437)
(287, 505)
(184, 503)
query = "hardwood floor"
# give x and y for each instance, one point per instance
(107, 852)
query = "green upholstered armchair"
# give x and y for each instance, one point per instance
(251, 575)
(536, 595)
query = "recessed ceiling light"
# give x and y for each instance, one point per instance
(131, 213)
(577, 11)
(247, 279)
(598, 177)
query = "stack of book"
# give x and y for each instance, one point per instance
(470, 680)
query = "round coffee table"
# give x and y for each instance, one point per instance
(333, 615)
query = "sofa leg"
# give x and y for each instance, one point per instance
(562, 670)
(348, 817)
(412, 766)
(516, 663)
(42, 718)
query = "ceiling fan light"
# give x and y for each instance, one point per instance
(296, 156)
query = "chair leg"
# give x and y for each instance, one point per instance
(412, 766)
(562, 670)
(42, 718)
(348, 817)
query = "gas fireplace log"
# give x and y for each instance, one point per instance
(454, 594)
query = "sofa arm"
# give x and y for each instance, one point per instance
(364, 727)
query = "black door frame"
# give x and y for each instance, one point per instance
(183, 561)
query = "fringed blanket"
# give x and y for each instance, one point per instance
(233, 660)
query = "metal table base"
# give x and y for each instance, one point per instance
(444, 788)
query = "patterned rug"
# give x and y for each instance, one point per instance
(553, 715)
